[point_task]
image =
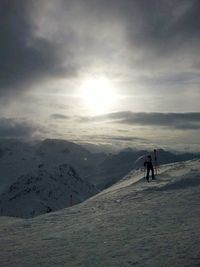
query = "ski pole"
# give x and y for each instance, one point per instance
(155, 162)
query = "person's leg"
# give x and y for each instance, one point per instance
(152, 173)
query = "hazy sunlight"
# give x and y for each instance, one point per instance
(98, 95)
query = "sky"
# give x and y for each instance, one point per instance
(121, 73)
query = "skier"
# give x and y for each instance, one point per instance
(149, 165)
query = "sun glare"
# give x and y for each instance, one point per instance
(98, 95)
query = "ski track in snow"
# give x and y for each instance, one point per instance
(132, 223)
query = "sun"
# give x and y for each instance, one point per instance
(98, 95)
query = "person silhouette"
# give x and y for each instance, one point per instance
(149, 165)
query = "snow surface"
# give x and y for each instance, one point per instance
(132, 223)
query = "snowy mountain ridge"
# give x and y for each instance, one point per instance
(44, 190)
(169, 175)
(115, 167)
(17, 158)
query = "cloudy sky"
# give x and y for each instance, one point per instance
(121, 72)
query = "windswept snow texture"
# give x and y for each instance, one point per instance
(133, 223)
(44, 191)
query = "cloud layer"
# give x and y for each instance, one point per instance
(190, 121)
(15, 128)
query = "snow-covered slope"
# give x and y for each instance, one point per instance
(115, 166)
(45, 190)
(133, 223)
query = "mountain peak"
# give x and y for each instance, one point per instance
(46, 189)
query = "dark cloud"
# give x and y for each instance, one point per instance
(89, 30)
(59, 117)
(171, 79)
(114, 137)
(157, 41)
(15, 128)
(160, 28)
(125, 138)
(151, 24)
(24, 57)
(172, 120)
(190, 121)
